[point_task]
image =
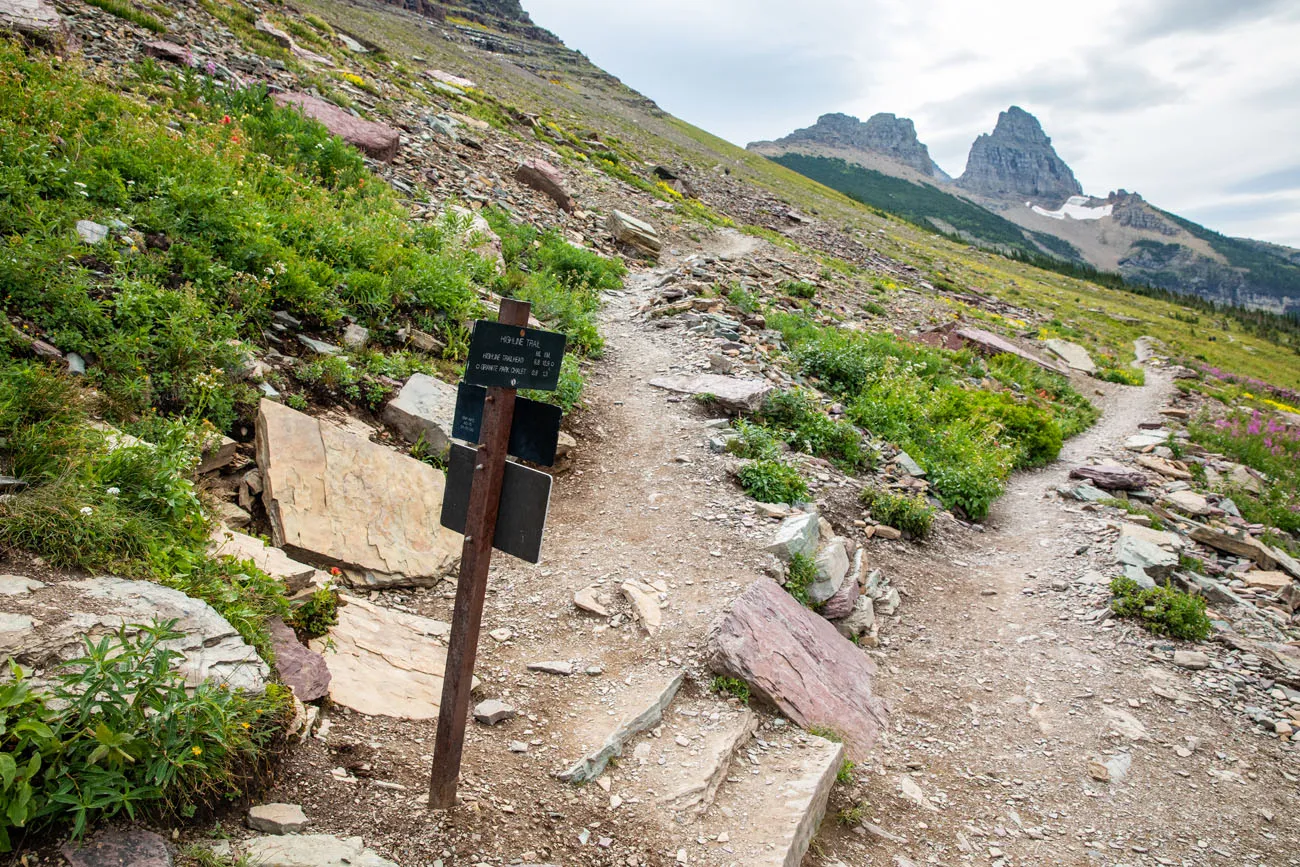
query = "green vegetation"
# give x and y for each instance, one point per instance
(1162, 610)
(124, 10)
(1111, 372)
(825, 733)
(909, 513)
(849, 816)
(746, 301)
(845, 774)
(314, 617)
(926, 401)
(796, 418)
(250, 209)
(1263, 442)
(800, 574)
(94, 502)
(753, 441)
(732, 686)
(118, 732)
(772, 481)
(799, 288)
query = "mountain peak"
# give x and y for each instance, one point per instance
(884, 134)
(1018, 159)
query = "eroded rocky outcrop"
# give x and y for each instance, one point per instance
(1018, 159)
(884, 134)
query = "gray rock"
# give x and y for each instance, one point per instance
(646, 716)
(1155, 561)
(627, 229)
(842, 603)
(731, 393)
(210, 648)
(114, 848)
(1084, 492)
(1018, 160)
(1072, 354)
(909, 466)
(797, 534)
(552, 666)
(832, 565)
(277, 818)
(860, 620)
(491, 712)
(320, 347)
(1193, 659)
(355, 336)
(76, 364)
(18, 585)
(425, 407)
(1111, 478)
(312, 850)
(91, 232)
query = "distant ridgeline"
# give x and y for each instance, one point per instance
(1017, 197)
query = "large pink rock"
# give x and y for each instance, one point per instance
(375, 140)
(800, 663)
(32, 19)
(546, 179)
(303, 670)
(841, 604)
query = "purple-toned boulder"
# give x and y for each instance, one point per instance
(546, 179)
(304, 671)
(1112, 478)
(840, 605)
(36, 20)
(169, 51)
(376, 140)
(798, 661)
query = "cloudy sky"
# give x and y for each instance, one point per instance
(1195, 104)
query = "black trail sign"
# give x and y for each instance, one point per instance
(509, 356)
(534, 433)
(525, 495)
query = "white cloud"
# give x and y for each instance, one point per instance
(1181, 100)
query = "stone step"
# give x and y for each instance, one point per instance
(680, 764)
(772, 803)
(603, 729)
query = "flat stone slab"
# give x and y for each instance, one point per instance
(1267, 580)
(35, 19)
(639, 708)
(312, 850)
(210, 647)
(832, 567)
(1160, 538)
(627, 229)
(375, 140)
(1189, 503)
(1156, 562)
(274, 562)
(1111, 477)
(1072, 354)
(277, 818)
(799, 662)
(1169, 469)
(1240, 543)
(773, 802)
(425, 407)
(988, 343)
(645, 604)
(112, 848)
(683, 769)
(385, 662)
(337, 499)
(731, 393)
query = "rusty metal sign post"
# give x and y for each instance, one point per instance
(504, 356)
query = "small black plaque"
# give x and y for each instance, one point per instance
(534, 433)
(525, 498)
(512, 357)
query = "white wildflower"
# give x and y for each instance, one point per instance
(86, 510)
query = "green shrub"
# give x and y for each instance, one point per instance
(805, 428)
(119, 732)
(747, 301)
(911, 514)
(127, 12)
(1162, 610)
(732, 686)
(845, 774)
(313, 618)
(800, 574)
(799, 288)
(1121, 375)
(753, 441)
(770, 481)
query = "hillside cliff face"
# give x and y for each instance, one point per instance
(882, 134)
(1018, 160)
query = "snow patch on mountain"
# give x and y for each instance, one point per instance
(1076, 208)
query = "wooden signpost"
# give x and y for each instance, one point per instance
(504, 356)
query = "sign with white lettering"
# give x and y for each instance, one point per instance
(508, 356)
